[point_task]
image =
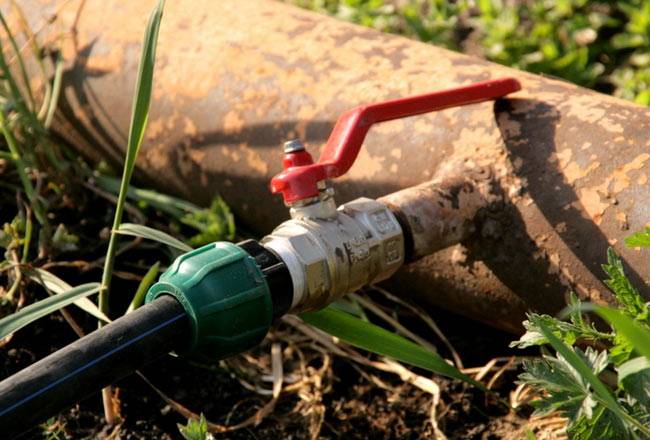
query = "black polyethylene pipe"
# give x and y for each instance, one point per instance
(90, 363)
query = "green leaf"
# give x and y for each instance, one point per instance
(143, 86)
(634, 378)
(44, 307)
(603, 425)
(55, 285)
(631, 301)
(378, 340)
(170, 205)
(215, 223)
(639, 239)
(143, 287)
(568, 332)
(566, 389)
(195, 429)
(152, 234)
(583, 370)
(638, 335)
(601, 392)
(139, 116)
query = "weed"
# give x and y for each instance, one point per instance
(603, 392)
(195, 429)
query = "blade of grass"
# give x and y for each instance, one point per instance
(602, 393)
(173, 206)
(135, 230)
(16, 157)
(21, 63)
(378, 340)
(36, 53)
(44, 307)
(56, 90)
(139, 115)
(143, 287)
(55, 285)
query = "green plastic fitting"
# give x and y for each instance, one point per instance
(225, 296)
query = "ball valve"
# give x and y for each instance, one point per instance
(221, 299)
(232, 293)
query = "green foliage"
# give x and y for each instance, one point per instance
(569, 392)
(631, 301)
(557, 38)
(373, 338)
(215, 223)
(433, 21)
(139, 116)
(634, 378)
(143, 287)
(32, 312)
(639, 239)
(571, 380)
(152, 234)
(577, 329)
(195, 430)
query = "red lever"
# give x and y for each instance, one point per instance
(300, 177)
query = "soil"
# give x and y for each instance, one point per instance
(356, 401)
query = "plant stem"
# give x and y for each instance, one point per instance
(109, 262)
(39, 212)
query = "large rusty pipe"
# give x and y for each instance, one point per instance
(235, 79)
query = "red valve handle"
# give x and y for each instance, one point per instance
(301, 175)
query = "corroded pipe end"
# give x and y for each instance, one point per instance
(440, 213)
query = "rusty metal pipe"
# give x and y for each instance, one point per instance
(236, 79)
(441, 213)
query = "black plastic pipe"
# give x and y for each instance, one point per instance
(84, 367)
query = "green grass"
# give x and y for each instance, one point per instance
(139, 116)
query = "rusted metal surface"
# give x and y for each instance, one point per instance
(442, 212)
(235, 79)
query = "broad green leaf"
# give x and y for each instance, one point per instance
(378, 340)
(31, 313)
(143, 287)
(152, 234)
(634, 332)
(55, 285)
